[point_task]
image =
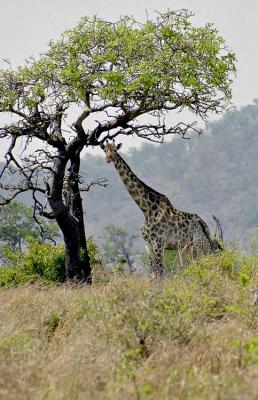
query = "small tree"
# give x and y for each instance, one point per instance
(17, 223)
(119, 75)
(119, 245)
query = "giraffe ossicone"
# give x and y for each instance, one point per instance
(165, 226)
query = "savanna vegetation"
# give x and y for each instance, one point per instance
(190, 337)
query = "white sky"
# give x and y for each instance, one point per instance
(26, 26)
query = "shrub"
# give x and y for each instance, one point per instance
(14, 276)
(93, 252)
(40, 261)
(46, 260)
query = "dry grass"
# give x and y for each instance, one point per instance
(191, 337)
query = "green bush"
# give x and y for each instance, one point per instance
(46, 260)
(93, 252)
(10, 276)
(40, 261)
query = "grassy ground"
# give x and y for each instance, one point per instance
(191, 337)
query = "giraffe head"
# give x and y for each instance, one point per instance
(110, 150)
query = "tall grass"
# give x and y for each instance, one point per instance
(193, 335)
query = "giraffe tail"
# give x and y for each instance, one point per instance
(218, 230)
(218, 236)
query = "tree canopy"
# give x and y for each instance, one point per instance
(135, 68)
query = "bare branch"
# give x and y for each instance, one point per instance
(158, 132)
(37, 210)
(99, 182)
(15, 190)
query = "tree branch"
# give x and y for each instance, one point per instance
(99, 182)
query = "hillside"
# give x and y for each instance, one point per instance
(132, 338)
(215, 173)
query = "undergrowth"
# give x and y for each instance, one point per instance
(191, 336)
(39, 262)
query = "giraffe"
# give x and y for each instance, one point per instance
(165, 226)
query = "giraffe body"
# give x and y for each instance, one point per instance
(165, 227)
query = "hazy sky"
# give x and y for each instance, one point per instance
(26, 26)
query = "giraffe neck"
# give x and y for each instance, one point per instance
(136, 188)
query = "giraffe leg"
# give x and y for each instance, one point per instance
(159, 273)
(151, 257)
(180, 256)
(156, 255)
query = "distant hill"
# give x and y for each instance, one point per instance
(215, 173)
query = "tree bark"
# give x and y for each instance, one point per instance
(69, 218)
(75, 206)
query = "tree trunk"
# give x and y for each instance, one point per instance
(71, 225)
(74, 202)
(70, 230)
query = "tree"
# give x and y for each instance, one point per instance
(119, 75)
(118, 245)
(17, 223)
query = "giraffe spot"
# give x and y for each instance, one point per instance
(134, 194)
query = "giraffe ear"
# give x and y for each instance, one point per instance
(119, 146)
